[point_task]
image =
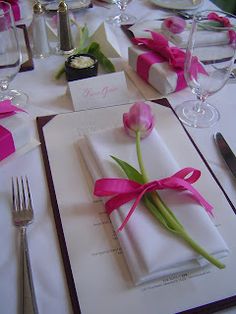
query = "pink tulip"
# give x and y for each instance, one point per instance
(139, 118)
(174, 24)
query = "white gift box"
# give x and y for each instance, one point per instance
(161, 75)
(15, 133)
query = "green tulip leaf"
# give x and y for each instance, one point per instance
(107, 65)
(129, 170)
(212, 25)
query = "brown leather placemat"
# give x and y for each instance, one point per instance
(203, 309)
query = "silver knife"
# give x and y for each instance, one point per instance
(226, 153)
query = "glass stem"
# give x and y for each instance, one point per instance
(4, 87)
(198, 106)
(122, 4)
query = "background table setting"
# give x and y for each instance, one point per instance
(78, 265)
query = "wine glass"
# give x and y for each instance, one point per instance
(122, 18)
(10, 56)
(209, 61)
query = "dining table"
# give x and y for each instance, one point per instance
(49, 97)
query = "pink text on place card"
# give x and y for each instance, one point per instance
(102, 93)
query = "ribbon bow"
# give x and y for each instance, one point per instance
(221, 19)
(7, 109)
(225, 22)
(16, 10)
(125, 190)
(158, 43)
(161, 51)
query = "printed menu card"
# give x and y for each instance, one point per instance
(101, 278)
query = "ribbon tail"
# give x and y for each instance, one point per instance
(132, 209)
(185, 185)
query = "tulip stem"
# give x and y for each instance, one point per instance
(166, 216)
(140, 158)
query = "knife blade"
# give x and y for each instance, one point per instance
(226, 152)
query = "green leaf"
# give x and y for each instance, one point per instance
(83, 37)
(59, 72)
(150, 204)
(156, 213)
(212, 25)
(129, 170)
(94, 49)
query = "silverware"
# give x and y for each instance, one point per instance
(22, 215)
(226, 152)
(233, 74)
(185, 15)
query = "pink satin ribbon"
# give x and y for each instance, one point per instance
(7, 109)
(225, 22)
(15, 9)
(221, 19)
(125, 190)
(7, 145)
(160, 51)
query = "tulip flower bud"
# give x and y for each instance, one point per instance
(174, 24)
(139, 118)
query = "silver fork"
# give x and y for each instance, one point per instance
(22, 215)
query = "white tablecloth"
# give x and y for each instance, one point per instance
(47, 96)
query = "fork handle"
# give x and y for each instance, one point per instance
(28, 299)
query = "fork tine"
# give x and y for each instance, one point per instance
(13, 193)
(23, 193)
(29, 194)
(18, 198)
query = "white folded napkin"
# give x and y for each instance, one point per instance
(150, 250)
(181, 39)
(203, 38)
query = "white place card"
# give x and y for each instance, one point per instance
(101, 91)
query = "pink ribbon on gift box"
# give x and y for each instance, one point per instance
(7, 145)
(125, 190)
(160, 51)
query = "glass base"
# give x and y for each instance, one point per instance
(17, 97)
(205, 117)
(121, 19)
